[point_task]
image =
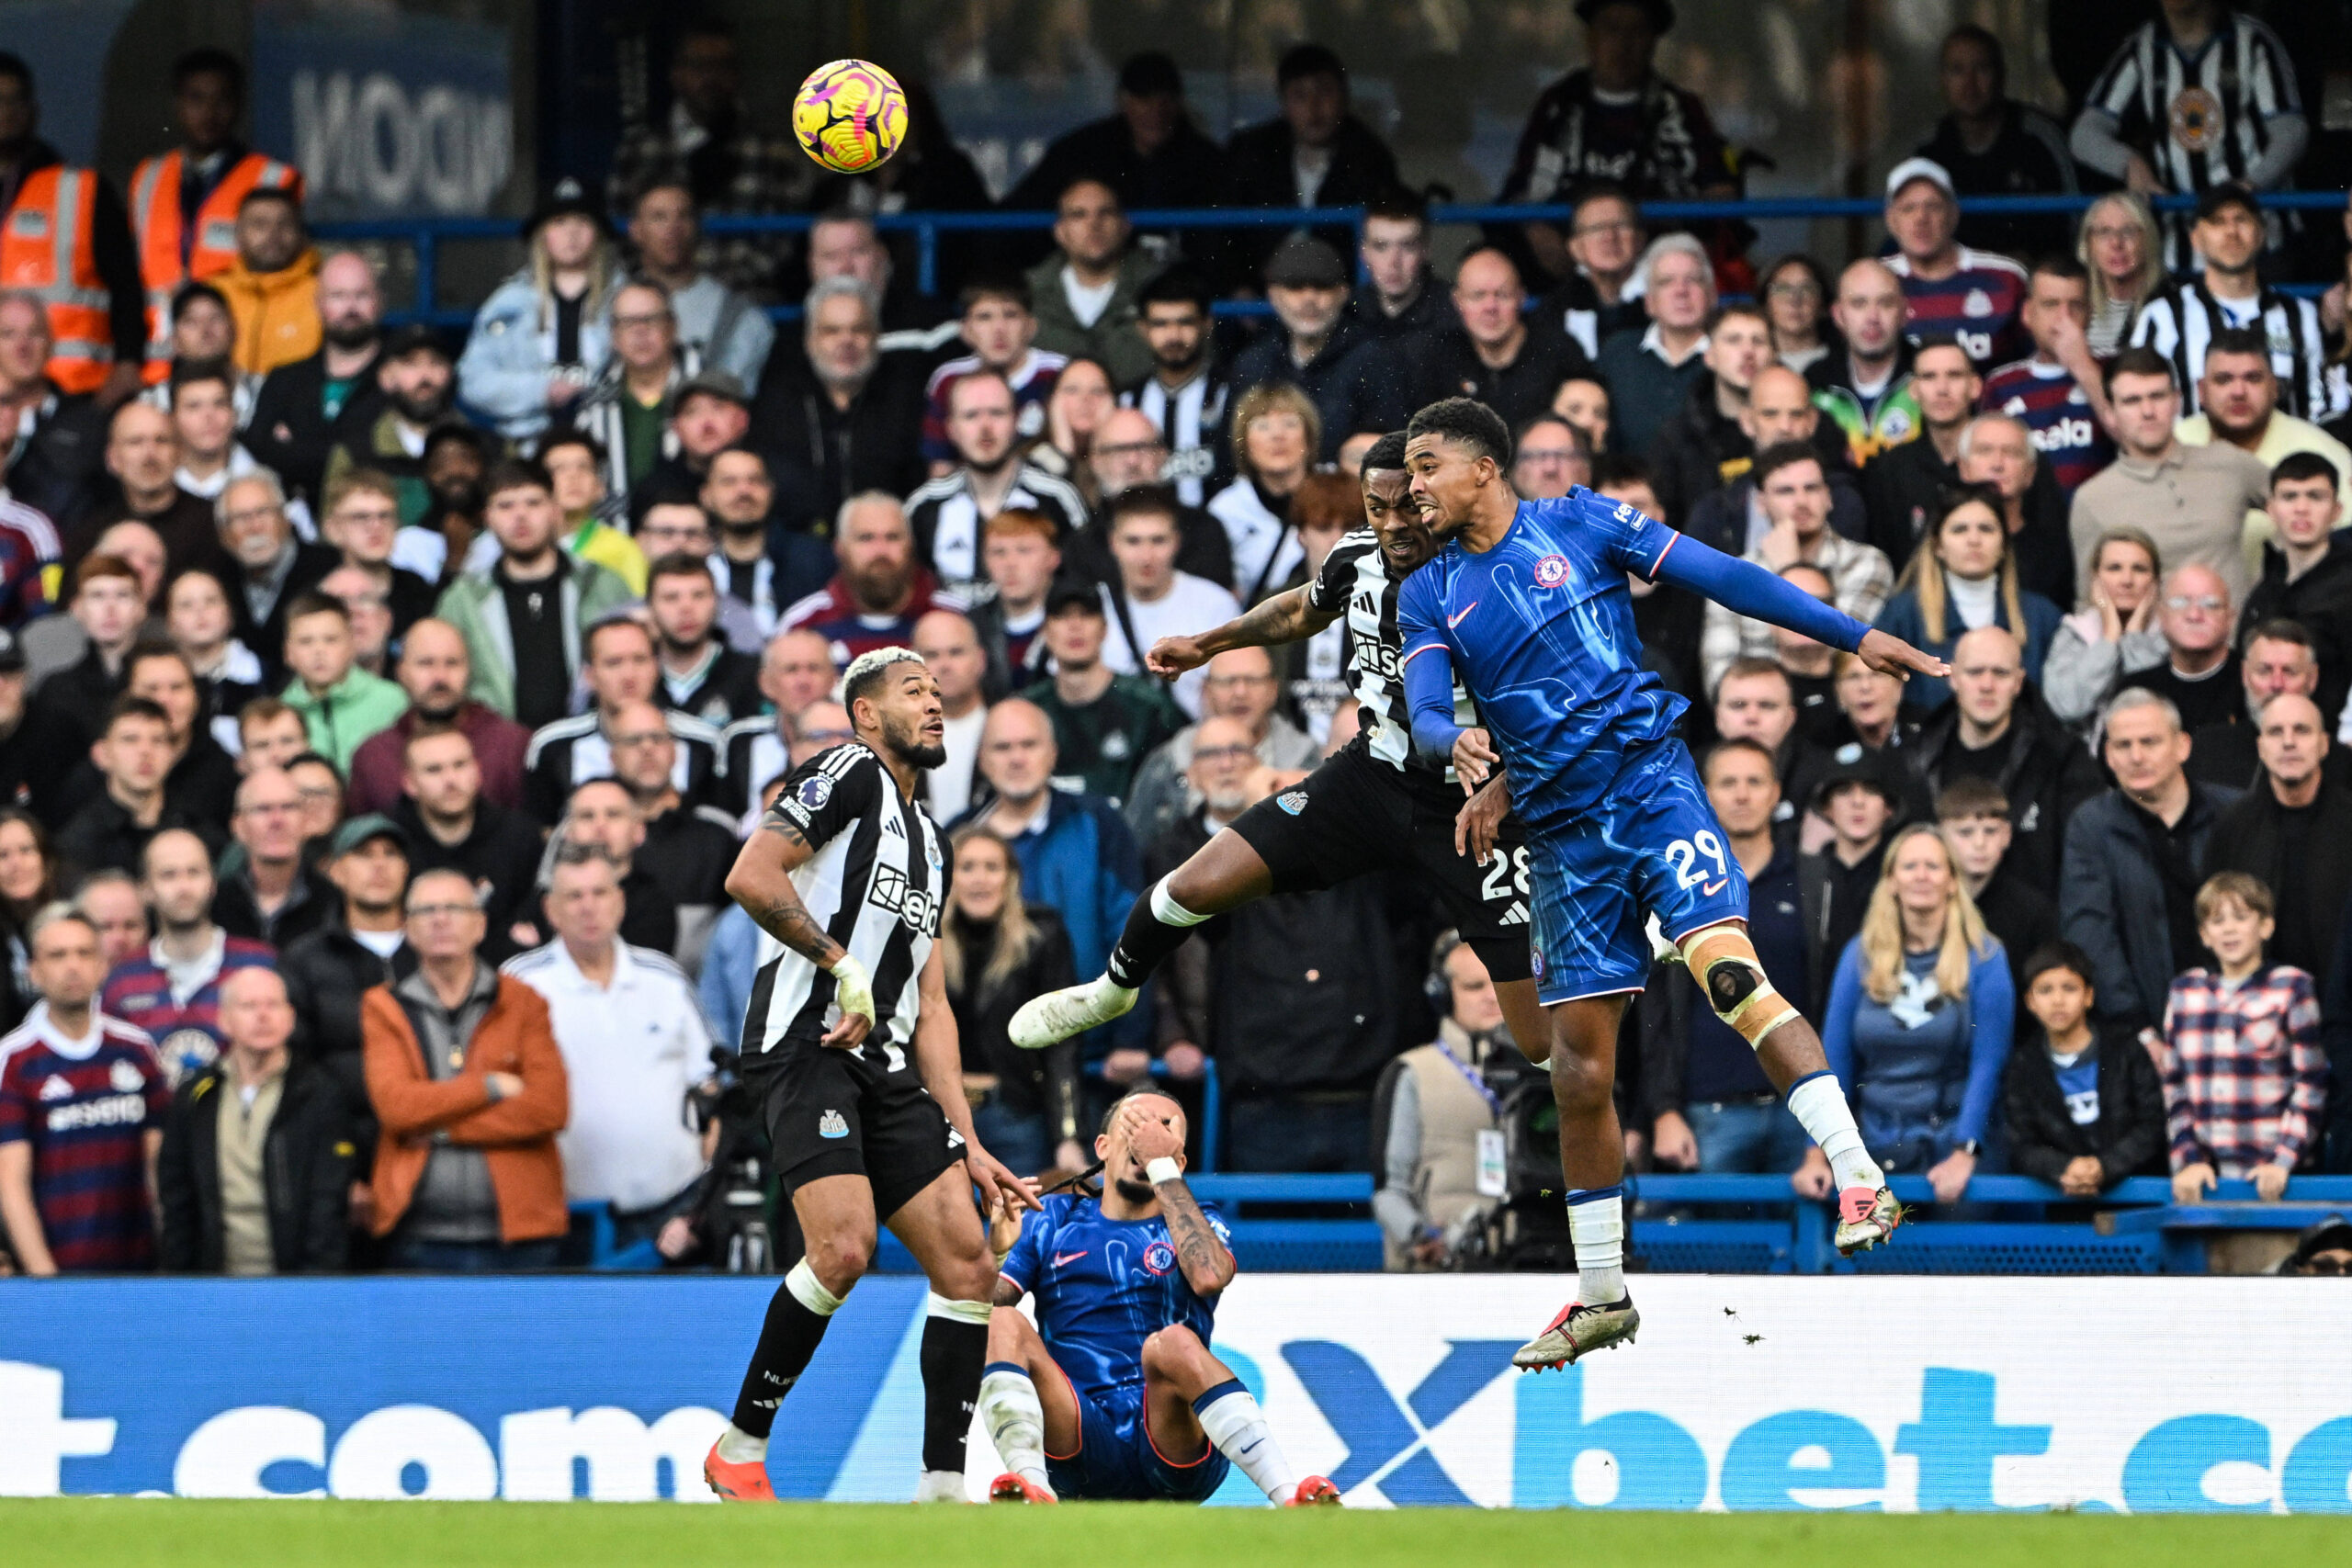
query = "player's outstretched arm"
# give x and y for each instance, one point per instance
(1285, 617)
(1747, 589)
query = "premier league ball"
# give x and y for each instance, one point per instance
(850, 116)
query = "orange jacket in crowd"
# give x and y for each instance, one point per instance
(518, 1132)
(170, 256)
(277, 313)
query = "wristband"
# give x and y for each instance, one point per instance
(1162, 1170)
(853, 990)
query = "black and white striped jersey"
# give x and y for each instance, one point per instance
(2203, 119)
(2179, 321)
(945, 517)
(877, 884)
(753, 752)
(1191, 422)
(1355, 575)
(570, 751)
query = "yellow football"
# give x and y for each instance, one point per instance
(850, 116)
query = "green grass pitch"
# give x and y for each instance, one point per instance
(134, 1532)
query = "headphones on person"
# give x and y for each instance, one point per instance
(1437, 985)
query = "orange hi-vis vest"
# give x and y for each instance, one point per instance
(212, 249)
(45, 246)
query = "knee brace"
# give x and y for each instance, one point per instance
(1724, 962)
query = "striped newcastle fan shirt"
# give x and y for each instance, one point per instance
(2180, 321)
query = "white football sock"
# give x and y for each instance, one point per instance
(1597, 1227)
(1234, 1423)
(738, 1446)
(1016, 1422)
(941, 1487)
(1819, 1102)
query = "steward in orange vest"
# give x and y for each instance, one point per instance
(184, 203)
(63, 237)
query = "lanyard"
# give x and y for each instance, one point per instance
(1470, 1075)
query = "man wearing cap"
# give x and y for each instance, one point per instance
(1356, 384)
(1974, 294)
(1314, 153)
(2179, 321)
(1104, 724)
(724, 327)
(1860, 798)
(628, 407)
(709, 413)
(419, 384)
(1616, 119)
(358, 946)
(173, 989)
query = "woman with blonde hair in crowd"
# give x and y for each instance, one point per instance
(1965, 576)
(1276, 432)
(2114, 636)
(998, 951)
(2122, 248)
(1919, 1019)
(545, 334)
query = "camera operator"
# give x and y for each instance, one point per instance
(1437, 1125)
(725, 1224)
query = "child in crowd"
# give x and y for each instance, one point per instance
(2244, 1079)
(2085, 1107)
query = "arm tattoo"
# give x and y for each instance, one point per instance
(1198, 1251)
(789, 921)
(1280, 619)
(777, 822)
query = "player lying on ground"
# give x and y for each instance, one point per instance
(1120, 1399)
(1372, 807)
(1526, 605)
(847, 876)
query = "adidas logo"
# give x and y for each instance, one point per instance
(56, 1087)
(1516, 915)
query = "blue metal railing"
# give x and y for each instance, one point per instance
(425, 236)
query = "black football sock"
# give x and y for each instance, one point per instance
(955, 1349)
(798, 1314)
(1157, 926)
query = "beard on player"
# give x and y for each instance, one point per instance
(921, 742)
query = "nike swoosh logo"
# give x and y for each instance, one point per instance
(1455, 619)
(1062, 1258)
(1712, 888)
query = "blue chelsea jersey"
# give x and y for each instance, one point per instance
(1540, 628)
(1103, 1287)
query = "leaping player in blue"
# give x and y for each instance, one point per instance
(1119, 1397)
(1527, 603)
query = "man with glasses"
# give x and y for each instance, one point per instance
(1605, 240)
(683, 527)
(267, 893)
(362, 519)
(470, 1090)
(2192, 500)
(1240, 685)
(1128, 454)
(2199, 672)
(628, 408)
(268, 568)
(1549, 458)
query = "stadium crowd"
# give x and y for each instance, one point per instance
(378, 722)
